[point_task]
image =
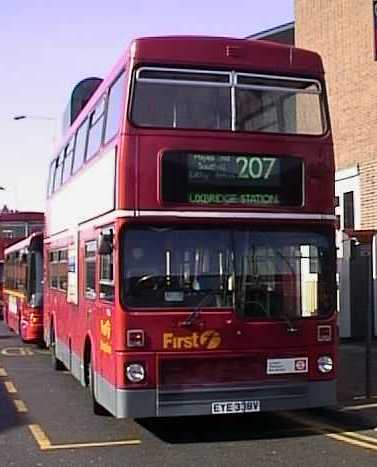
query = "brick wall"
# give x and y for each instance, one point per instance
(342, 31)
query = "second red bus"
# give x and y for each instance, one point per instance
(23, 288)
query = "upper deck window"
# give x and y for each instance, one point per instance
(114, 107)
(68, 157)
(58, 171)
(211, 100)
(96, 120)
(80, 146)
(182, 99)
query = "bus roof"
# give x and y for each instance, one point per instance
(26, 242)
(226, 52)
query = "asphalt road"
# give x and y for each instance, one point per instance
(46, 419)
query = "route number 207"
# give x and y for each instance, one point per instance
(255, 167)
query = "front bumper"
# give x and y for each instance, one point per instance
(157, 403)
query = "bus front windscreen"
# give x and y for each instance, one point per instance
(267, 274)
(218, 100)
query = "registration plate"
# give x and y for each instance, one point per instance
(235, 407)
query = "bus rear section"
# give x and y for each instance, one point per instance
(23, 294)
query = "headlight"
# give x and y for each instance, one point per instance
(135, 372)
(325, 364)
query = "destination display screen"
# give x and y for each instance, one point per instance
(243, 179)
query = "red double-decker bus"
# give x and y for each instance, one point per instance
(16, 225)
(190, 250)
(23, 289)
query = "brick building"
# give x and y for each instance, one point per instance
(344, 33)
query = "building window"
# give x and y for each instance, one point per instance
(348, 211)
(90, 269)
(13, 230)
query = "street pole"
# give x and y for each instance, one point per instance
(369, 321)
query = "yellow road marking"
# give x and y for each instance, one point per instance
(3, 372)
(359, 407)
(349, 437)
(126, 442)
(40, 437)
(44, 442)
(10, 387)
(355, 442)
(20, 405)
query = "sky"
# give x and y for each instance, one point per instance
(48, 46)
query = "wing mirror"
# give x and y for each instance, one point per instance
(105, 244)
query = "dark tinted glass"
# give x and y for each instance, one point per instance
(348, 211)
(245, 179)
(277, 83)
(184, 76)
(80, 146)
(114, 107)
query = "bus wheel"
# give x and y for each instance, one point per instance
(56, 363)
(20, 329)
(20, 332)
(98, 409)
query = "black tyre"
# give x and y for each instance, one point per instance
(98, 409)
(57, 364)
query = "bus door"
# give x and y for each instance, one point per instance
(105, 302)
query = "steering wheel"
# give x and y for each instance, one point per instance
(149, 281)
(259, 305)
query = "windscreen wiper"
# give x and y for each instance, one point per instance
(291, 329)
(194, 315)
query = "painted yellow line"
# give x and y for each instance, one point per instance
(354, 442)
(40, 437)
(10, 387)
(3, 372)
(20, 405)
(103, 444)
(359, 407)
(45, 444)
(350, 437)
